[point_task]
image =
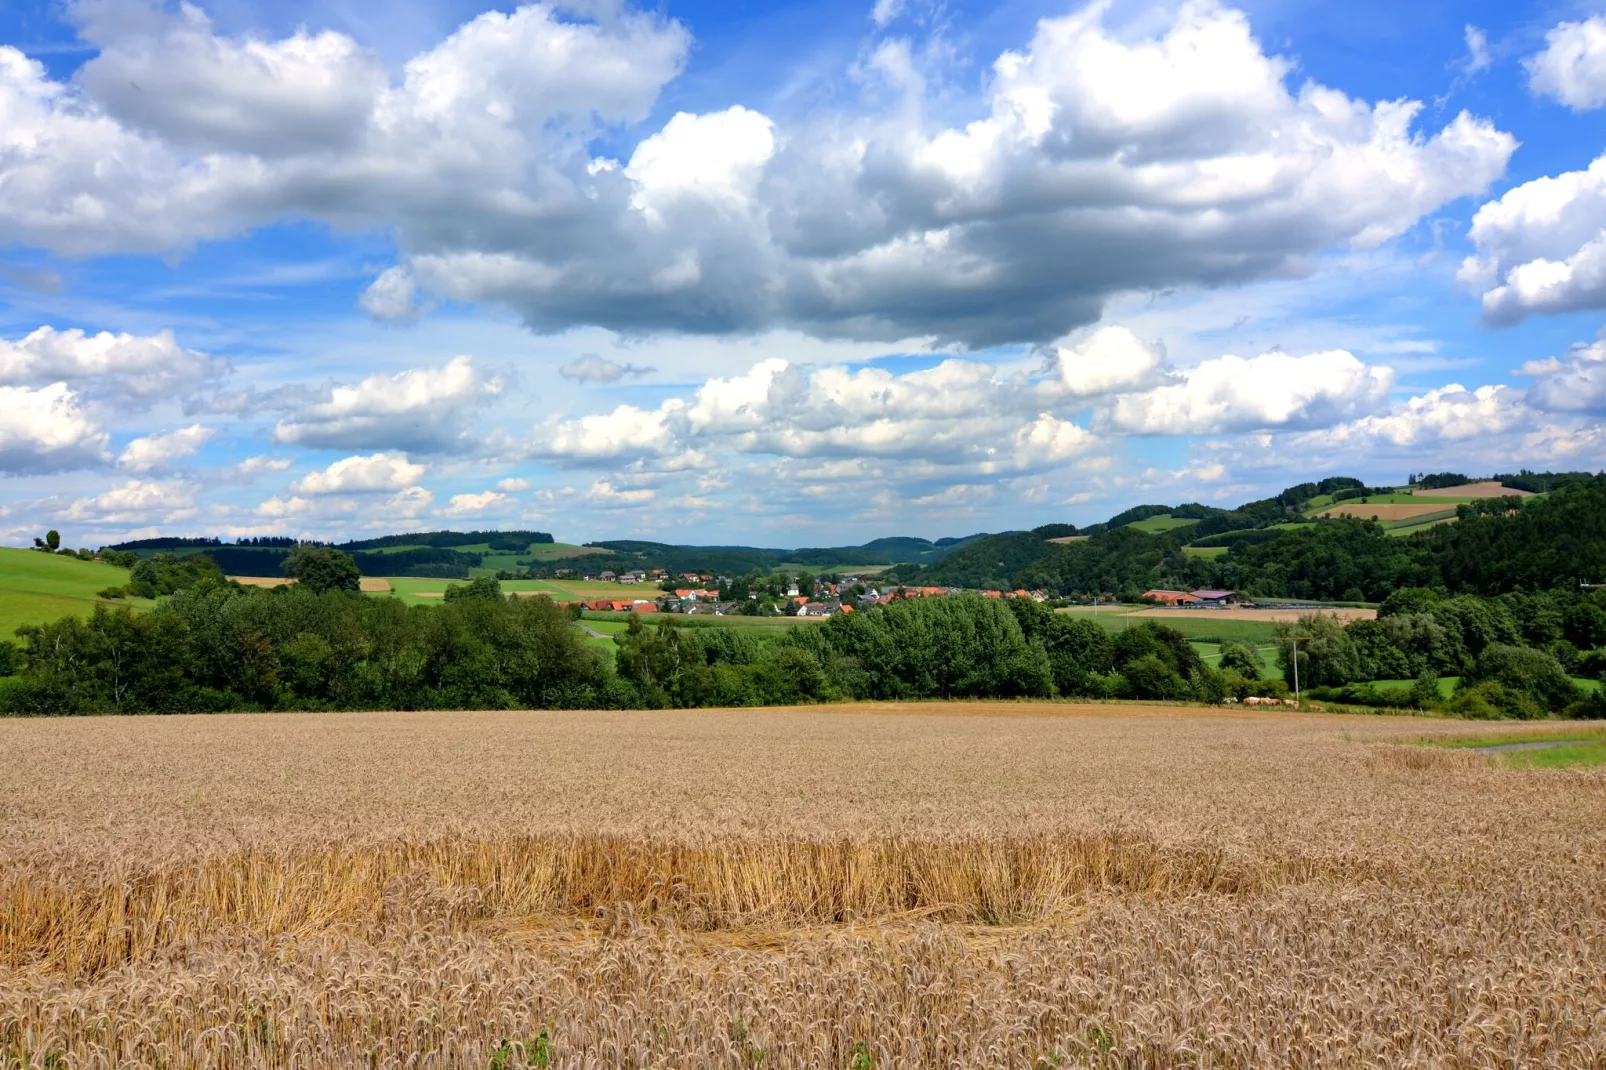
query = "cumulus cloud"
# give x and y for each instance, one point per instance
(363, 475)
(469, 504)
(135, 502)
(512, 484)
(1572, 67)
(1446, 414)
(175, 134)
(1575, 382)
(46, 430)
(1111, 359)
(421, 409)
(123, 369)
(1541, 248)
(1102, 162)
(626, 432)
(156, 451)
(1272, 390)
(590, 368)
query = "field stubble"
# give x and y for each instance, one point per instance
(963, 885)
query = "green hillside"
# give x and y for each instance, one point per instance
(1164, 522)
(36, 587)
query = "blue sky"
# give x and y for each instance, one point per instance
(783, 273)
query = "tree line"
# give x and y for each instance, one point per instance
(1500, 545)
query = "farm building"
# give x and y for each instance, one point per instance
(1216, 598)
(1170, 598)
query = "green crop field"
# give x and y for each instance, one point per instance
(1164, 522)
(426, 590)
(1204, 551)
(36, 588)
(1416, 524)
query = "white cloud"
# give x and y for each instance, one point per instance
(1572, 67)
(1574, 383)
(156, 451)
(175, 134)
(392, 296)
(626, 432)
(1271, 390)
(418, 410)
(1111, 359)
(174, 78)
(885, 11)
(1446, 414)
(261, 464)
(1104, 162)
(46, 430)
(513, 484)
(605, 494)
(122, 368)
(1541, 247)
(468, 504)
(711, 159)
(590, 368)
(1478, 58)
(137, 501)
(375, 472)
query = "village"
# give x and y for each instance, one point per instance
(707, 594)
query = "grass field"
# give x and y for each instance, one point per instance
(1204, 551)
(1164, 522)
(1581, 747)
(417, 590)
(36, 588)
(961, 885)
(1447, 684)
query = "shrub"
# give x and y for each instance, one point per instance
(1492, 700)
(1592, 707)
(1243, 659)
(1424, 693)
(483, 587)
(1535, 673)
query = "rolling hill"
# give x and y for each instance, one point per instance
(36, 587)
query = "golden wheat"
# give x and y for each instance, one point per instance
(991, 884)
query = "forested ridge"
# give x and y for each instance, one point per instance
(1558, 541)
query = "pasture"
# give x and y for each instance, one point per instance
(418, 590)
(1154, 525)
(36, 587)
(873, 885)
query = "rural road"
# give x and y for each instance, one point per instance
(593, 632)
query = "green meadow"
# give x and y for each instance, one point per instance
(36, 588)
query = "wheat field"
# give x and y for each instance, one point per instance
(867, 886)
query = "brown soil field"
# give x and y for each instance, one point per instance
(371, 584)
(1385, 510)
(1341, 612)
(1486, 489)
(865, 886)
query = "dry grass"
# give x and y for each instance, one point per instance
(1384, 510)
(1486, 489)
(370, 584)
(989, 884)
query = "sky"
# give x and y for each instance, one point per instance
(783, 274)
